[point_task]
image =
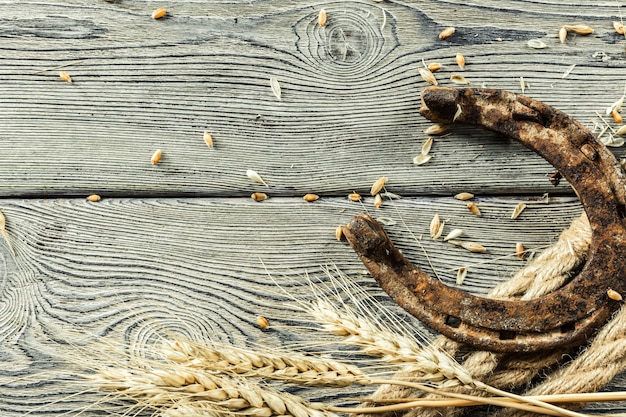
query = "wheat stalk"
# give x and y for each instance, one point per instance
(288, 367)
(394, 347)
(181, 390)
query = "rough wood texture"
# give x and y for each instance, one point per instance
(179, 246)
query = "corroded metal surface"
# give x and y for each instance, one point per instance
(564, 317)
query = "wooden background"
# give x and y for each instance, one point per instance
(180, 247)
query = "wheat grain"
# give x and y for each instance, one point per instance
(321, 18)
(473, 208)
(208, 139)
(276, 89)
(433, 66)
(421, 159)
(464, 196)
(94, 198)
(310, 197)
(579, 29)
(427, 146)
(519, 208)
(156, 157)
(159, 13)
(460, 60)
(436, 227)
(428, 76)
(354, 196)
(258, 196)
(446, 33)
(254, 176)
(65, 77)
(453, 234)
(378, 201)
(378, 185)
(436, 130)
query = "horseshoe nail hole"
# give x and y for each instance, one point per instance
(507, 335)
(452, 321)
(621, 209)
(568, 327)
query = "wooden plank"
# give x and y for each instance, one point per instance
(348, 112)
(132, 271)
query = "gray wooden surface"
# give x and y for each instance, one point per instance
(180, 247)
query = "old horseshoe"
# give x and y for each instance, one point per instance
(563, 317)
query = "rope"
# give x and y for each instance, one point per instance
(602, 360)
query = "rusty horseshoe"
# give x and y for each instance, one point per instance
(561, 318)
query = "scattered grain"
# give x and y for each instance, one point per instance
(3, 230)
(276, 87)
(378, 201)
(473, 247)
(579, 29)
(562, 34)
(458, 112)
(434, 66)
(473, 208)
(619, 27)
(464, 196)
(156, 157)
(621, 131)
(65, 77)
(258, 196)
(460, 60)
(208, 139)
(520, 251)
(159, 13)
(94, 198)
(252, 174)
(536, 44)
(616, 116)
(436, 130)
(321, 18)
(436, 227)
(426, 146)
(262, 322)
(339, 232)
(428, 76)
(616, 106)
(614, 295)
(421, 159)
(459, 79)
(378, 185)
(311, 197)
(518, 210)
(446, 33)
(354, 197)
(453, 234)
(461, 273)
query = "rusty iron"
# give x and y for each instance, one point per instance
(564, 317)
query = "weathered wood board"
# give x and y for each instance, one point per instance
(179, 247)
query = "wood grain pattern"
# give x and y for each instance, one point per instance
(349, 106)
(178, 247)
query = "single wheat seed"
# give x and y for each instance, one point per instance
(579, 29)
(262, 322)
(461, 273)
(321, 18)
(473, 208)
(453, 234)
(518, 210)
(562, 34)
(378, 185)
(459, 79)
(464, 196)
(428, 76)
(94, 198)
(156, 156)
(436, 227)
(460, 60)
(614, 295)
(310, 197)
(159, 13)
(617, 117)
(434, 66)
(254, 176)
(426, 146)
(436, 130)
(258, 196)
(520, 251)
(421, 159)
(446, 33)
(208, 139)
(339, 232)
(378, 201)
(354, 196)
(65, 77)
